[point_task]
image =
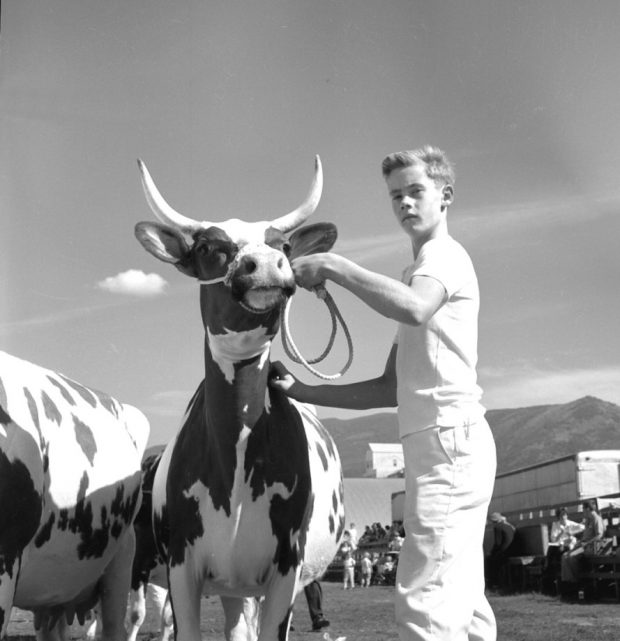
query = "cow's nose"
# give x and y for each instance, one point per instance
(248, 265)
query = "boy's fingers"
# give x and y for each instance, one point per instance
(277, 371)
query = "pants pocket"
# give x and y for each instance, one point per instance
(446, 437)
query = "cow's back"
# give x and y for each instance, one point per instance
(81, 450)
(326, 515)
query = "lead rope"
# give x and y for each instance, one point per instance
(292, 351)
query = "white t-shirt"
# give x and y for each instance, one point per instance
(436, 361)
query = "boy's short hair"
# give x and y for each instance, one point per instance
(433, 159)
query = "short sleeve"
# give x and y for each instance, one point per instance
(446, 261)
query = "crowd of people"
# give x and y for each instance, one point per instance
(365, 567)
(377, 533)
(570, 542)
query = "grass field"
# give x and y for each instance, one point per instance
(367, 615)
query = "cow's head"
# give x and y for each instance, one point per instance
(243, 268)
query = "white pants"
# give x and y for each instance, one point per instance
(440, 579)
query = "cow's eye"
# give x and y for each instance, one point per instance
(286, 248)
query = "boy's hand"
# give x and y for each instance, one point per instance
(311, 271)
(281, 379)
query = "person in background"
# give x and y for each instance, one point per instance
(562, 538)
(366, 535)
(345, 545)
(314, 598)
(592, 534)
(503, 535)
(348, 570)
(396, 541)
(353, 535)
(430, 375)
(366, 570)
(563, 531)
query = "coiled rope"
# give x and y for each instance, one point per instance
(292, 351)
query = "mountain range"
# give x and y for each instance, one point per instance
(523, 436)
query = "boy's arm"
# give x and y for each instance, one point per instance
(376, 392)
(413, 305)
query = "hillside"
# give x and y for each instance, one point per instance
(524, 436)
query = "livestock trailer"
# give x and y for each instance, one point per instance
(565, 480)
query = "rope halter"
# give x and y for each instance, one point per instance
(290, 348)
(292, 351)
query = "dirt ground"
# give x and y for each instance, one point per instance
(367, 615)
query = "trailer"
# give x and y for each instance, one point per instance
(535, 491)
(565, 480)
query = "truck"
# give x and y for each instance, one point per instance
(562, 481)
(540, 488)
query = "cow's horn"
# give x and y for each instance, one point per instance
(162, 209)
(299, 215)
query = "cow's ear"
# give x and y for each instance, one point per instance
(312, 239)
(165, 243)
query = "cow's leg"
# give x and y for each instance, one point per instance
(161, 599)
(137, 611)
(241, 618)
(277, 608)
(114, 589)
(8, 583)
(94, 626)
(185, 593)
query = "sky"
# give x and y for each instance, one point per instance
(228, 102)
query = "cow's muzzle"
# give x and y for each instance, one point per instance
(259, 300)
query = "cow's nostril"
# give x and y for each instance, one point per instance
(280, 263)
(250, 266)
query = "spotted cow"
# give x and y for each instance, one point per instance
(149, 581)
(248, 496)
(69, 490)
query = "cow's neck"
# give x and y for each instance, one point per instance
(237, 387)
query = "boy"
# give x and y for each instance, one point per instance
(430, 375)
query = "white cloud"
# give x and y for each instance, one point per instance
(134, 282)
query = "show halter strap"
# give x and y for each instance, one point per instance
(290, 348)
(292, 351)
(213, 281)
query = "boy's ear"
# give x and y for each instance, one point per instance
(448, 195)
(312, 239)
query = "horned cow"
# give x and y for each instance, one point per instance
(248, 496)
(69, 490)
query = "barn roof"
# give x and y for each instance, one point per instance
(385, 447)
(369, 500)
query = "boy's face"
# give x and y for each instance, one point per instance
(419, 204)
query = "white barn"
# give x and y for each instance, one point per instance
(384, 460)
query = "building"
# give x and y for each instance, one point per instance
(368, 501)
(384, 460)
